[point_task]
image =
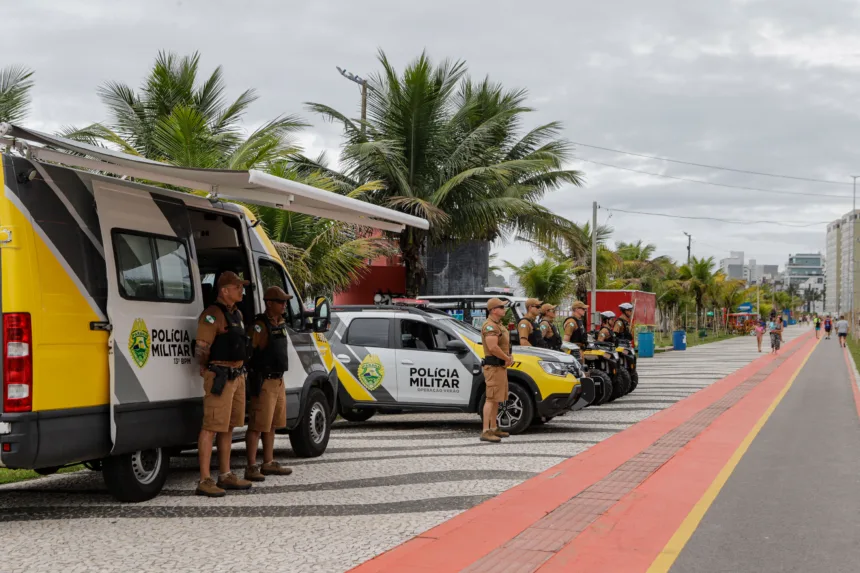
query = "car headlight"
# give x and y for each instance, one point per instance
(554, 368)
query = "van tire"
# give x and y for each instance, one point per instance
(138, 476)
(356, 414)
(310, 438)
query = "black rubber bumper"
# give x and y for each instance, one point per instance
(555, 404)
(589, 393)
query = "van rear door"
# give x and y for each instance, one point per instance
(153, 303)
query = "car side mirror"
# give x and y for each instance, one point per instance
(457, 346)
(322, 315)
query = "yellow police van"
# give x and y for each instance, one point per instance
(101, 283)
(399, 358)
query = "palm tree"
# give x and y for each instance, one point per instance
(177, 119)
(15, 86)
(698, 276)
(637, 269)
(452, 151)
(548, 280)
(810, 297)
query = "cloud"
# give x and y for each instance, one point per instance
(766, 85)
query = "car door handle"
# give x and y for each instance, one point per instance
(407, 362)
(343, 358)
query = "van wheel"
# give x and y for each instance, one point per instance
(516, 413)
(356, 414)
(138, 476)
(310, 437)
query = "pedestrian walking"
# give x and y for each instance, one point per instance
(817, 323)
(759, 332)
(828, 326)
(842, 330)
(776, 335)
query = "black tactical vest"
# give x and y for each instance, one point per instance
(231, 346)
(553, 342)
(625, 333)
(536, 337)
(272, 360)
(578, 336)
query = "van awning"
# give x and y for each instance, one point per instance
(251, 186)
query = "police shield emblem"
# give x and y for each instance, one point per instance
(139, 343)
(371, 372)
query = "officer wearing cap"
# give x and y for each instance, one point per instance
(528, 334)
(574, 326)
(621, 328)
(266, 368)
(549, 331)
(221, 350)
(497, 358)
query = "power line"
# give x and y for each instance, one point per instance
(745, 171)
(774, 191)
(792, 224)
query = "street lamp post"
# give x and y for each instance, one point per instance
(364, 87)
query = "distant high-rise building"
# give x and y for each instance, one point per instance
(733, 265)
(833, 268)
(802, 266)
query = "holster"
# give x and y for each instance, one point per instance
(223, 374)
(492, 361)
(255, 383)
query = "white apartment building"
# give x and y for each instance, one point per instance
(848, 231)
(733, 265)
(833, 268)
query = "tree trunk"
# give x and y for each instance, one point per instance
(411, 243)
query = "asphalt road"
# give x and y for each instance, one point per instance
(793, 501)
(379, 483)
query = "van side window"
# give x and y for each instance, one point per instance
(422, 336)
(152, 267)
(272, 274)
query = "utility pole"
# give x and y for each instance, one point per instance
(689, 242)
(594, 318)
(364, 87)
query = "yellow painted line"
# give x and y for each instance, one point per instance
(676, 544)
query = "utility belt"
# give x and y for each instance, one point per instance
(492, 361)
(256, 379)
(223, 374)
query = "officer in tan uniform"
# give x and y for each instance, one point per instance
(526, 331)
(221, 350)
(548, 329)
(266, 368)
(574, 326)
(497, 358)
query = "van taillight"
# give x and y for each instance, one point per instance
(17, 362)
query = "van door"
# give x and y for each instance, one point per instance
(153, 303)
(426, 372)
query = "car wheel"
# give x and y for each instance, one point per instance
(138, 476)
(356, 414)
(516, 413)
(310, 438)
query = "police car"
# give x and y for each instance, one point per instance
(391, 358)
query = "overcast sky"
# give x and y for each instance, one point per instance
(767, 85)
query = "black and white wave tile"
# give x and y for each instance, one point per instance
(379, 483)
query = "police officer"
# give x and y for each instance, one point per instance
(622, 328)
(221, 349)
(529, 335)
(605, 332)
(574, 326)
(266, 382)
(551, 336)
(497, 358)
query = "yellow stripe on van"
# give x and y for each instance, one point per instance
(70, 361)
(352, 386)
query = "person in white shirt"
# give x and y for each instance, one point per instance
(842, 330)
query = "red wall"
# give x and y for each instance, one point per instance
(378, 278)
(644, 304)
